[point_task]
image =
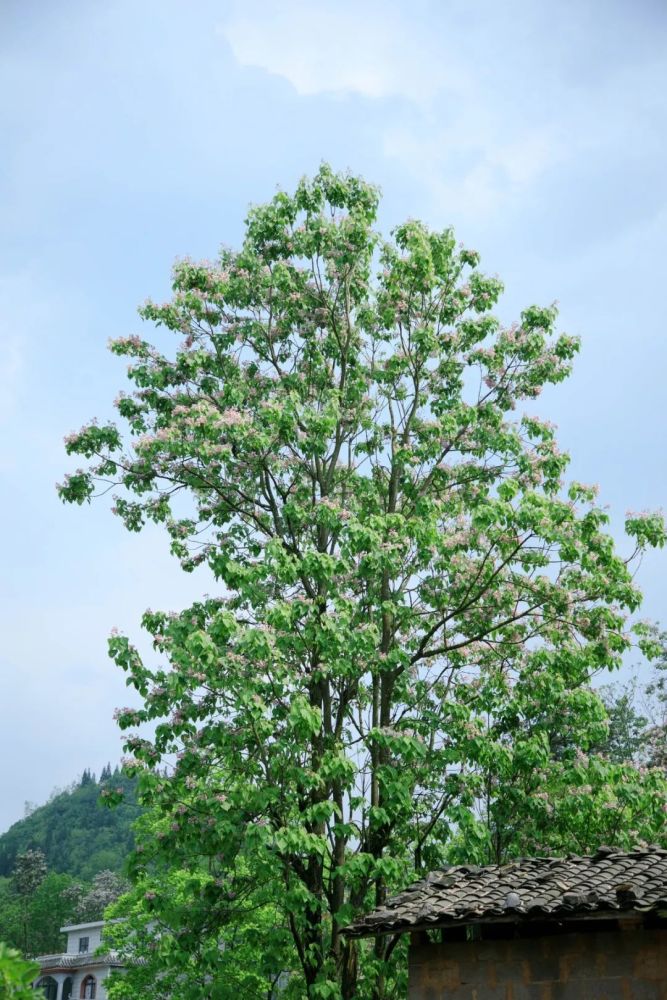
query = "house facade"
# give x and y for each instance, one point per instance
(575, 928)
(77, 972)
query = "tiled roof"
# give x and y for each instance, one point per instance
(65, 960)
(526, 888)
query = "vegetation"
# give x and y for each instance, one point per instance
(414, 598)
(32, 922)
(77, 835)
(91, 904)
(40, 892)
(30, 919)
(29, 873)
(16, 975)
(656, 709)
(257, 952)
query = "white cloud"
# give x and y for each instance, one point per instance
(471, 172)
(371, 49)
(462, 139)
(477, 104)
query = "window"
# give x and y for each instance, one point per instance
(83, 944)
(88, 988)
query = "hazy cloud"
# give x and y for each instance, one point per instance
(375, 50)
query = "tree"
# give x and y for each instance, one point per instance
(557, 771)
(106, 888)
(625, 739)
(335, 438)
(50, 908)
(29, 873)
(253, 959)
(34, 906)
(657, 705)
(10, 915)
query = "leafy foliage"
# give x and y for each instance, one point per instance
(29, 873)
(626, 738)
(251, 960)
(31, 922)
(657, 705)
(75, 833)
(16, 975)
(411, 592)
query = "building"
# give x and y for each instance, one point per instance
(575, 928)
(78, 971)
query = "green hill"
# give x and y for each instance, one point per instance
(78, 835)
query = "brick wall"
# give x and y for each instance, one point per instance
(623, 965)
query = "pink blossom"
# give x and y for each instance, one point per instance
(231, 418)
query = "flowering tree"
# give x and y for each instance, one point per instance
(107, 886)
(335, 436)
(29, 873)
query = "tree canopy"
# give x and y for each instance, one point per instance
(411, 593)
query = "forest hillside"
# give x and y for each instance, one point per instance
(63, 862)
(76, 833)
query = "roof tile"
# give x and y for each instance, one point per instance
(605, 881)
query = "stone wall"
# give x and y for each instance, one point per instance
(604, 965)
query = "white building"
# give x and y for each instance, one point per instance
(78, 972)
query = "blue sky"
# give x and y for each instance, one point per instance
(136, 132)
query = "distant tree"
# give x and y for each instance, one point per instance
(11, 927)
(106, 888)
(626, 739)
(51, 906)
(29, 873)
(656, 706)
